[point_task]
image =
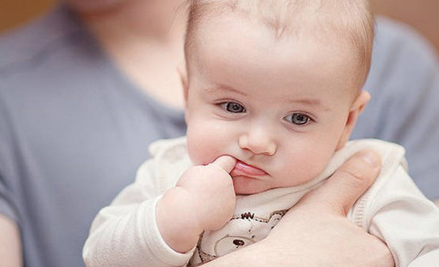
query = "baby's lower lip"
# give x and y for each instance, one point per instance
(244, 169)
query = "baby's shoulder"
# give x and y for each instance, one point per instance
(169, 159)
(169, 150)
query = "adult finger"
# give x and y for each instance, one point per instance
(226, 163)
(349, 182)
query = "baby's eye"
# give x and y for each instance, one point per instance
(298, 118)
(233, 107)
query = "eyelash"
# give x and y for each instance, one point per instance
(296, 115)
(227, 106)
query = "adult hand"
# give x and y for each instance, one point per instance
(316, 232)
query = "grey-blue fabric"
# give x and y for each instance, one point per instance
(404, 85)
(74, 130)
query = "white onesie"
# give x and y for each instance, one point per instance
(393, 209)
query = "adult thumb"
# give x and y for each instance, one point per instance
(348, 183)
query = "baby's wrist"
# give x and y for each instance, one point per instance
(177, 221)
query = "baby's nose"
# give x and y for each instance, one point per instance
(258, 141)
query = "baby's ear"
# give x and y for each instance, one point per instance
(184, 80)
(357, 107)
(184, 83)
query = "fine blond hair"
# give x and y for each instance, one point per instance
(350, 20)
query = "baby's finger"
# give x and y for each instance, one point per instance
(226, 163)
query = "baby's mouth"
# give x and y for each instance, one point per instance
(243, 169)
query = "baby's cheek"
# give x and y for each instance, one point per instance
(201, 151)
(205, 143)
(298, 174)
(317, 166)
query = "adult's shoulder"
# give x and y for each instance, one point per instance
(47, 58)
(27, 43)
(401, 59)
(389, 31)
(404, 84)
(404, 77)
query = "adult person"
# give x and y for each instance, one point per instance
(83, 92)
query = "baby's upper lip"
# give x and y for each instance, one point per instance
(242, 168)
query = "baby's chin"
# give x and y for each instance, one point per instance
(249, 186)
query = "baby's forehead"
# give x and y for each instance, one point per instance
(239, 29)
(333, 22)
(286, 15)
(344, 21)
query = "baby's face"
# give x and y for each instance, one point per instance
(279, 107)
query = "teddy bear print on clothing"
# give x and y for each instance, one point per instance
(242, 230)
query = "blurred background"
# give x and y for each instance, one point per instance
(16, 12)
(423, 15)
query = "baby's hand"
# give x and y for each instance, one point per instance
(203, 199)
(211, 188)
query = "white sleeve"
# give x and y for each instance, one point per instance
(126, 234)
(405, 220)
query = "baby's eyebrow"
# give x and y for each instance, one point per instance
(316, 103)
(220, 87)
(307, 101)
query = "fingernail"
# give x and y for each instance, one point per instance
(372, 158)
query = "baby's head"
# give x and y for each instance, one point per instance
(275, 84)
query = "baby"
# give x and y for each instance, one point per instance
(273, 93)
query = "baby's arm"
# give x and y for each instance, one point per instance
(127, 233)
(203, 199)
